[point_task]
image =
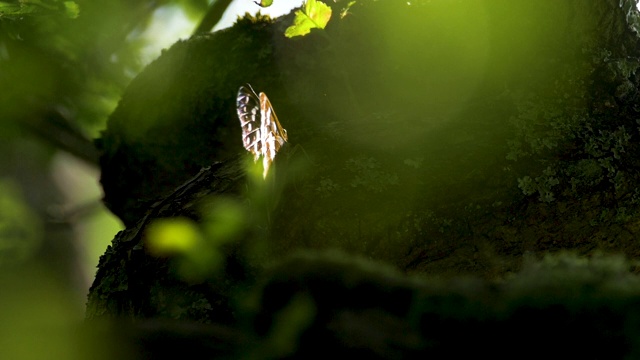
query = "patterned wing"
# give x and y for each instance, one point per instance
(275, 134)
(248, 107)
(262, 133)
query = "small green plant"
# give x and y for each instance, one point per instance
(586, 142)
(542, 125)
(584, 174)
(541, 184)
(608, 148)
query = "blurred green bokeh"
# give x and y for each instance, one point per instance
(63, 68)
(20, 228)
(197, 251)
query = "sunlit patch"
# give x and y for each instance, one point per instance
(168, 24)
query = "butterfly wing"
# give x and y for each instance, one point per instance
(262, 133)
(248, 107)
(274, 134)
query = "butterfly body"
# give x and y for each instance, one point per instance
(262, 133)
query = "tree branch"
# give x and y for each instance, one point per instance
(212, 17)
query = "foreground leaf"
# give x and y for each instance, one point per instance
(315, 15)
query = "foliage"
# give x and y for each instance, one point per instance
(18, 10)
(563, 130)
(542, 185)
(74, 57)
(314, 15)
(63, 68)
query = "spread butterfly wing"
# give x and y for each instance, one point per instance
(262, 134)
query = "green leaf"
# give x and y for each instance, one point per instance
(315, 15)
(71, 9)
(264, 3)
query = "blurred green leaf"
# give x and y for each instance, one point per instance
(197, 251)
(289, 325)
(224, 221)
(17, 10)
(181, 239)
(71, 9)
(315, 15)
(20, 228)
(171, 236)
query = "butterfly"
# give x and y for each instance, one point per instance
(262, 134)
